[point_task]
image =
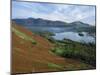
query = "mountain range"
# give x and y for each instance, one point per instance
(73, 26)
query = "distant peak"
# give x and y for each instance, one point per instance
(78, 22)
(30, 18)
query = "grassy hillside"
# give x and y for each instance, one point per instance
(76, 50)
(32, 53)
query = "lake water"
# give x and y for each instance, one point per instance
(61, 33)
(50, 29)
(74, 36)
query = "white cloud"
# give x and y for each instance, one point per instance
(66, 13)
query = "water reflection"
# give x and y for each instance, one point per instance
(75, 37)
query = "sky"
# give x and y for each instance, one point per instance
(56, 12)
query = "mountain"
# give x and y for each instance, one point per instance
(40, 22)
(76, 26)
(48, 23)
(79, 24)
(82, 27)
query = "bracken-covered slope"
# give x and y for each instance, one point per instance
(31, 53)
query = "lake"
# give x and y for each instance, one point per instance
(74, 36)
(61, 33)
(49, 29)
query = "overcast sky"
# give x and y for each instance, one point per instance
(62, 12)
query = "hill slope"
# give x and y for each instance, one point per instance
(31, 53)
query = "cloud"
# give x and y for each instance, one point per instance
(62, 12)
